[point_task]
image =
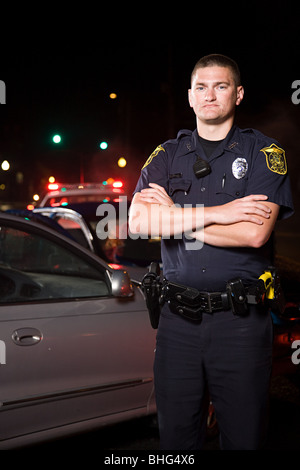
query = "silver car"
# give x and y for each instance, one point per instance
(76, 344)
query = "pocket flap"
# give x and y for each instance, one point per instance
(179, 185)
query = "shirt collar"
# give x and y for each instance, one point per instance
(231, 143)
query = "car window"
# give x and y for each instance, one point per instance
(74, 229)
(33, 267)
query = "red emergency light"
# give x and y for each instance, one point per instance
(53, 186)
(117, 184)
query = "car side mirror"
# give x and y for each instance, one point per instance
(121, 283)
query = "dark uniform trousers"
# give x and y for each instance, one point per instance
(226, 359)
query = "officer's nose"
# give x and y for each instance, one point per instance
(210, 94)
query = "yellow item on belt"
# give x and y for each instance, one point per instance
(267, 279)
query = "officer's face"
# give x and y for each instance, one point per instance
(214, 95)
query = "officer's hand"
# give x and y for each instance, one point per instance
(156, 194)
(247, 209)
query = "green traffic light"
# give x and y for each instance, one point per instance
(103, 145)
(56, 138)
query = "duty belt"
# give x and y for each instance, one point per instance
(191, 303)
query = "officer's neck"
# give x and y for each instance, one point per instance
(214, 131)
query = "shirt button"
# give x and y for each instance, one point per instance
(203, 270)
(202, 189)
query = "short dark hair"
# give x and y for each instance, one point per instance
(221, 61)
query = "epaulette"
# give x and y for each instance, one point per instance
(180, 135)
(247, 131)
(184, 133)
(256, 133)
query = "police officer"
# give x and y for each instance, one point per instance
(239, 179)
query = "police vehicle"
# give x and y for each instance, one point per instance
(60, 194)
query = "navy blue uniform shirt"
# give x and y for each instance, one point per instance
(246, 162)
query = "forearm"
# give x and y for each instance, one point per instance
(241, 234)
(153, 213)
(163, 220)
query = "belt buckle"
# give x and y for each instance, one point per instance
(206, 302)
(212, 301)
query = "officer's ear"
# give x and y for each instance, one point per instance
(190, 98)
(239, 95)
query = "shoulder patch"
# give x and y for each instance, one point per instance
(153, 154)
(275, 158)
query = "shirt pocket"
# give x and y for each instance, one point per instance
(179, 189)
(231, 188)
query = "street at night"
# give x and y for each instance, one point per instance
(82, 116)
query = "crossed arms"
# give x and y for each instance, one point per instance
(244, 222)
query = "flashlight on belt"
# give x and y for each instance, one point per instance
(151, 286)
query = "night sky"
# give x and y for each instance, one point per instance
(59, 76)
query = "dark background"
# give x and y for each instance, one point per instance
(61, 62)
(60, 65)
